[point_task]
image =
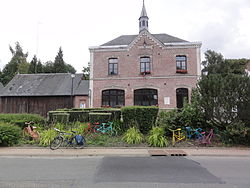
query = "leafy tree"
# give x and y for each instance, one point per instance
(49, 67)
(86, 72)
(70, 69)
(18, 63)
(216, 64)
(224, 91)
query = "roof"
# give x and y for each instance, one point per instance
(127, 39)
(54, 84)
(143, 11)
(1, 87)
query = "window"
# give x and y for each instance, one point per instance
(181, 96)
(113, 66)
(113, 98)
(145, 65)
(181, 64)
(145, 97)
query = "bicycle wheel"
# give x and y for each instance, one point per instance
(78, 145)
(56, 143)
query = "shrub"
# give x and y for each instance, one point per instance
(47, 136)
(235, 133)
(99, 117)
(9, 134)
(133, 136)
(156, 137)
(119, 127)
(20, 119)
(144, 116)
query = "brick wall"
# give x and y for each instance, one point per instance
(163, 75)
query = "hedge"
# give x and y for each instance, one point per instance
(99, 117)
(9, 134)
(20, 119)
(142, 116)
(82, 115)
(60, 118)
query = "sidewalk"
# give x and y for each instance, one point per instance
(143, 152)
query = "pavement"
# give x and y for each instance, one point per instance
(123, 151)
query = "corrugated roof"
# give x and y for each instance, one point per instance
(127, 39)
(54, 84)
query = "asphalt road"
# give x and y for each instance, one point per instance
(108, 172)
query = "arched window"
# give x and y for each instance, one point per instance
(143, 22)
(113, 98)
(145, 97)
(181, 96)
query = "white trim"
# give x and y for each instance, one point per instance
(91, 84)
(198, 56)
(147, 77)
(198, 44)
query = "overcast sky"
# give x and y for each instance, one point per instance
(42, 26)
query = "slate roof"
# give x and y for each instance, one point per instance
(127, 39)
(54, 84)
(1, 87)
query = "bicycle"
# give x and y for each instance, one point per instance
(177, 135)
(72, 139)
(103, 128)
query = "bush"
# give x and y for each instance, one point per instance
(20, 119)
(133, 136)
(235, 133)
(47, 136)
(9, 134)
(144, 116)
(156, 137)
(99, 117)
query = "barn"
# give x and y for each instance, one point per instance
(40, 93)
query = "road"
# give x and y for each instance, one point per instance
(108, 172)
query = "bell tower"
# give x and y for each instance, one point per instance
(143, 20)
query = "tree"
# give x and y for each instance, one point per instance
(49, 67)
(216, 64)
(224, 91)
(86, 72)
(39, 67)
(33, 66)
(59, 64)
(17, 64)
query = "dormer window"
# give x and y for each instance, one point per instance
(113, 66)
(181, 64)
(145, 65)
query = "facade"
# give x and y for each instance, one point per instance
(144, 69)
(40, 93)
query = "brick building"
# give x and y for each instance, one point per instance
(143, 69)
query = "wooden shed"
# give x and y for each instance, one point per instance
(40, 93)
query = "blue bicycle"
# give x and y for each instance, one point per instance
(67, 139)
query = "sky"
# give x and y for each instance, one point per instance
(42, 26)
